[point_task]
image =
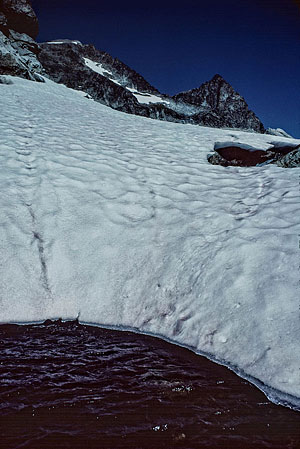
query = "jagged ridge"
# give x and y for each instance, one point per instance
(220, 105)
(108, 80)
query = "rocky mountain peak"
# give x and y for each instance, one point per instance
(108, 80)
(220, 105)
(218, 78)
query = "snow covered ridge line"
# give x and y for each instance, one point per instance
(278, 132)
(215, 103)
(142, 97)
(122, 220)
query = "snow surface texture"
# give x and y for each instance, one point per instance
(121, 220)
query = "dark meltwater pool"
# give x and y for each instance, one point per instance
(63, 385)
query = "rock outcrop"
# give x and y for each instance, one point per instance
(242, 155)
(18, 15)
(18, 50)
(219, 105)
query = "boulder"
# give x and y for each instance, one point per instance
(241, 154)
(244, 155)
(282, 148)
(216, 159)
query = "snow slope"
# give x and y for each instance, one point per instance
(122, 220)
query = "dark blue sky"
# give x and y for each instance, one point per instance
(253, 44)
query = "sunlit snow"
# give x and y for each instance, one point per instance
(147, 98)
(142, 97)
(64, 42)
(98, 68)
(121, 220)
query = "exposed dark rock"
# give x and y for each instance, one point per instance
(291, 159)
(220, 105)
(18, 56)
(242, 155)
(19, 16)
(116, 85)
(281, 148)
(18, 50)
(3, 22)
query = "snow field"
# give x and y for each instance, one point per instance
(122, 220)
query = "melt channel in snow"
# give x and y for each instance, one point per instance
(121, 220)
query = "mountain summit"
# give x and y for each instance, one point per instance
(220, 105)
(108, 80)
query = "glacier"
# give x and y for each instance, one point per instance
(121, 221)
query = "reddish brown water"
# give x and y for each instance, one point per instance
(63, 385)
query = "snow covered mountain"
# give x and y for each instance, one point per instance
(108, 80)
(103, 78)
(218, 105)
(121, 220)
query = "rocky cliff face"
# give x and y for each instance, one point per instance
(18, 50)
(219, 105)
(18, 15)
